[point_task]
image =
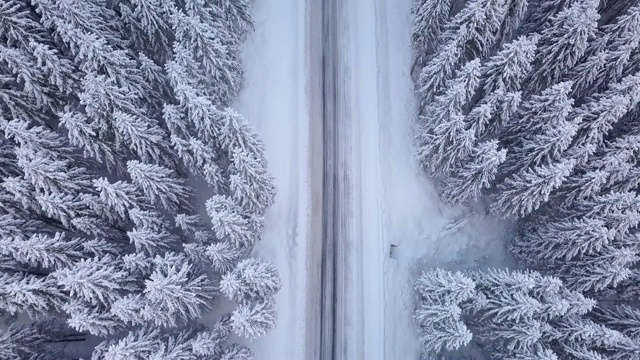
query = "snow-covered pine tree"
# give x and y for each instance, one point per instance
(607, 65)
(229, 222)
(563, 239)
(253, 319)
(551, 109)
(159, 184)
(251, 280)
(177, 288)
(510, 66)
(600, 114)
(445, 335)
(596, 272)
(474, 174)
(84, 317)
(563, 43)
(537, 352)
(522, 193)
(43, 250)
(32, 294)
(430, 17)
(440, 285)
(469, 34)
(33, 341)
(85, 88)
(622, 318)
(541, 12)
(443, 138)
(98, 281)
(236, 352)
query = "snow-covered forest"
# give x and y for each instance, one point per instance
(131, 194)
(531, 108)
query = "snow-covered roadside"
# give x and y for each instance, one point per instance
(275, 100)
(427, 232)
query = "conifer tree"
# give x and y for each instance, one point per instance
(253, 319)
(43, 251)
(475, 174)
(92, 93)
(158, 183)
(521, 194)
(430, 17)
(23, 293)
(444, 139)
(472, 31)
(98, 281)
(252, 279)
(176, 288)
(563, 42)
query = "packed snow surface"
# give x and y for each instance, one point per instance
(392, 200)
(277, 101)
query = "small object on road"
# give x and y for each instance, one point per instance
(392, 250)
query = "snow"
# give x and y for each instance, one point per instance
(394, 202)
(427, 232)
(275, 100)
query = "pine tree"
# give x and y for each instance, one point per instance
(440, 285)
(430, 17)
(514, 14)
(207, 44)
(158, 184)
(622, 318)
(176, 288)
(472, 31)
(444, 139)
(252, 279)
(236, 352)
(98, 281)
(43, 251)
(449, 335)
(622, 38)
(563, 239)
(429, 314)
(596, 272)
(119, 197)
(23, 293)
(603, 111)
(31, 342)
(254, 319)
(510, 66)
(521, 194)
(540, 15)
(228, 222)
(537, 353)
(84, 317)
(250, 184)
(475, 174)
(563, 43)
(551, 108)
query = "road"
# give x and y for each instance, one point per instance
(353, 247)
(314, 94)
(329, 90)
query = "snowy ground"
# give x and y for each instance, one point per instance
(385, 197)
(278, 100)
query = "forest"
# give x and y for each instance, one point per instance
(131, 193)
(532, 109)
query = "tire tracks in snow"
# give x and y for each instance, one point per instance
(352, 317)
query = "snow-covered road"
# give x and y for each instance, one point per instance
(329, 90)
(358, 242)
